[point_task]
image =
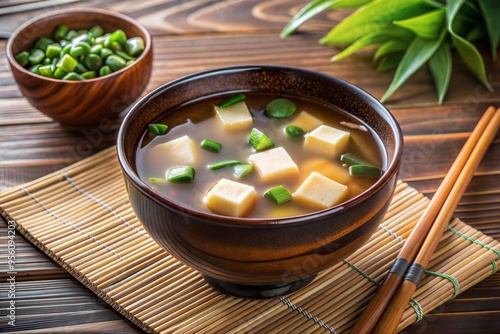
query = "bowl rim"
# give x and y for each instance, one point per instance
(77, 11)
(141, 186)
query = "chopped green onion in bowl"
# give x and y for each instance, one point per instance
(181, 174)
(259, 140)
(278, 195)
(72, 54)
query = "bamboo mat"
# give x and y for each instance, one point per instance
(80, 217)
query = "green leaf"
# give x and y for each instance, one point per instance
(436, 3)
(475, 34)
(390, 47)
(427, 25)
(390, 62)
(417, 54)
(490, 10)
(370, 39)
(467, 51)
(467, 17)
(373, 17)
(316, 7)
(440, 67)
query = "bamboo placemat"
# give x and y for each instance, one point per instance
(80, 216)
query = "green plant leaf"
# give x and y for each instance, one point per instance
(390, 47)
(475, 34)
(467, 51)
(440, 68)
(375, 38)
(316, 7)
(418, 53)
(362, 42)
(390, 62)
(490, 10)
(374, 17)
(468, 16)
(436, 3)
(427, 25)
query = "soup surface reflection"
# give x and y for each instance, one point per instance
(191, 124)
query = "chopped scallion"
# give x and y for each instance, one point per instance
(294, 131)
(365, 170)
(280, 108)
(181, 174)
(22, 58)
(222, 164)
(155, 180)
(211, 146)
(157, 129)
(278, 195)
(259, 140)
(242, 170)
(232, 100)
(351, 159)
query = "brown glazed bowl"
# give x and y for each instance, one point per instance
(83, 103)
(252, 257)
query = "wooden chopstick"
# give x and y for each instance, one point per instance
(475, 147)
(390, 319)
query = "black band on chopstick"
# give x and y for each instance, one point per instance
(415, 273)
(400, 267)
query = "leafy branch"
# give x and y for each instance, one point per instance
(410, 33)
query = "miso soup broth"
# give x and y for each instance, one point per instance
(297, 160)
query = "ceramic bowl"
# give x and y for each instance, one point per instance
(81, 103)
(259, 258)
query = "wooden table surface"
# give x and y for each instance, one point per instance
(190, 36)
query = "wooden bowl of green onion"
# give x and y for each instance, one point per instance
(81, 67)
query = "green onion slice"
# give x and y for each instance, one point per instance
(259, 140)
(294, 131)
(280, 108)
(278, 195)
(22, 58)
(181, 174)
(232, 100)
(365, 170)
(210, 145)
(155, 180)
(157, 129)
(222, 164)
(351, 159)
(242, 170)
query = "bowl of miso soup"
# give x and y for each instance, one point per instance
(260, 177)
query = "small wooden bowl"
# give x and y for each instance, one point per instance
(83, 103)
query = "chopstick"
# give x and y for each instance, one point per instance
(420, 245)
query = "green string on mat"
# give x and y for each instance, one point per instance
(419, 311)
(453, 280)
(480, 243)
(361, 272)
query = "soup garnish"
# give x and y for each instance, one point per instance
(266, 156)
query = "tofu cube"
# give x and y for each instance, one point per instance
(179, 151)
(274, 164)
(235, 117)
(320, 192)
(306, 121)
(231, 198)
(326, 141)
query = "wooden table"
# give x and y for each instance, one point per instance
(190, 36)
